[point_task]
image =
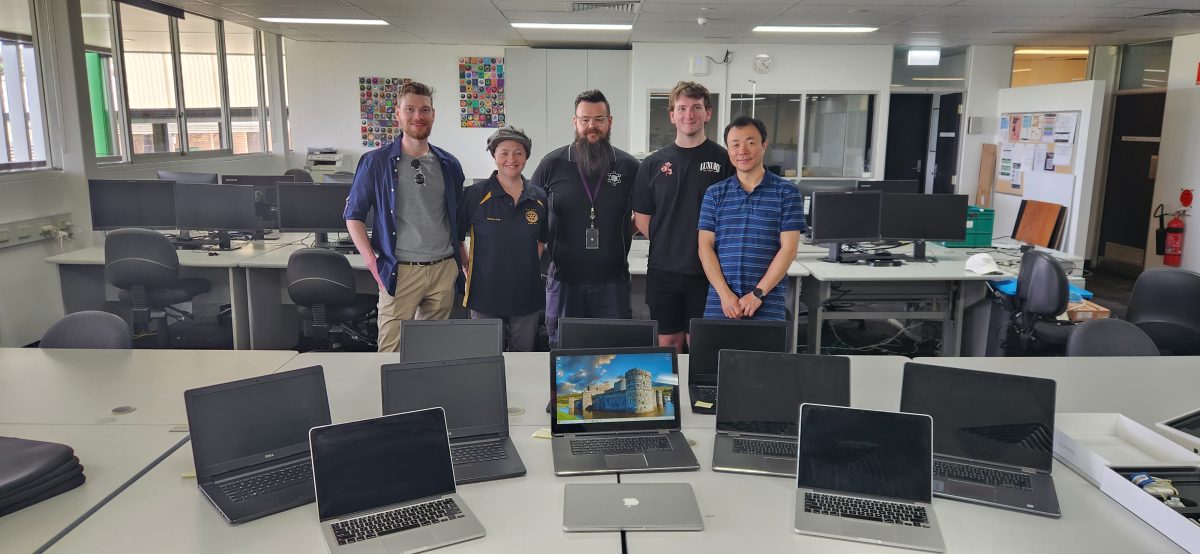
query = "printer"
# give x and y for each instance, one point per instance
(322, 162)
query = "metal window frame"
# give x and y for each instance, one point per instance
(36, 124)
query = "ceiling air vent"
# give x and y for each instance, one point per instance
(624, 7)
(1173, 13)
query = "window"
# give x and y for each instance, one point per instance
(287, 117)
(241, 64)
(23, 142)
(107, 128)
(1145, 66)
(949, 73)
(149, 80)
(837, 135)
(781, 115)
(662, 132)
(203, 116)
(266, 91)
(1042, 65)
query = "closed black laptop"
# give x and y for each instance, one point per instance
(250, 441)
(708, 337)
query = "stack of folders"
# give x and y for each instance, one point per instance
(33, 471)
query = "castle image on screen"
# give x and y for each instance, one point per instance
(612, 387)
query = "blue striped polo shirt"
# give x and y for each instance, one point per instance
(747, 228)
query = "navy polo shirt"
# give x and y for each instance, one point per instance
(747, 228)
(505, 274)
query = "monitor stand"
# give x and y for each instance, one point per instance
(877, 259)
(223, 241)
(321, 239)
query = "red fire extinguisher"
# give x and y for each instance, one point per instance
(1173, 241)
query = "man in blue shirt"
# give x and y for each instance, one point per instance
(749, 229)
(414, 189)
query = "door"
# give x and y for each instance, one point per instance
(907, 136)
(1129, 189)
(945, 176)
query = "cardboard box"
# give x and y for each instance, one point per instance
(1090, 443)
(1085, 310)
(1186, 440)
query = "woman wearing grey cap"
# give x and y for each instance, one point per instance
(505, 219)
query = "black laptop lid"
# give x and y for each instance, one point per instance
(471, 391)
(583, 332)
(710, 336)
(374, 463)
(865, 452)
(450, 339)
(985, 416)
(614, 389)
(252, 421)
(761, 392)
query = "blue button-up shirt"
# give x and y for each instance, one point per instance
(375, 189)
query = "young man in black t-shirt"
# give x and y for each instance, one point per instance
(666, 203)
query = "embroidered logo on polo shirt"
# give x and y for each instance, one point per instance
(531, 216)
(666, 168)
(710, 167)
(614, 178)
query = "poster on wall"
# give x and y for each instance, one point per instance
(378, 98)
(481, 92)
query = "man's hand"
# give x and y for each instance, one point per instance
(749, 304)
(731, 306)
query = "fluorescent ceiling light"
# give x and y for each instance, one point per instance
(747, 99)
(94, 15)
(937, 79)
(924, 56)
(820, 29)
(1155, 70)
(314, 21)
(1053, 51)
(575, 26)
(1154, 80)
(1022, 70)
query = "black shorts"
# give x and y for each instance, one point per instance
(674, 299)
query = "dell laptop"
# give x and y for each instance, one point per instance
(386, 485)
(761, 394)
(473, 394)
(630, 507)
(863, 475)
(250, 441)
(448, 339)
(586, 332)
(993, 435)
(708, 337)
(616, 410)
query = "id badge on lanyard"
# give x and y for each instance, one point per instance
(591, 235)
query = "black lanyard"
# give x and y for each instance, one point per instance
(592, 194)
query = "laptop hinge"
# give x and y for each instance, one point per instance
(664, 431)
(1029, 470)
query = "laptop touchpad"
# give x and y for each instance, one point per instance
(780, 465)
(975, 491)
(625, 461)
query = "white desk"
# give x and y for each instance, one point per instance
(110, 454)
(83, 386)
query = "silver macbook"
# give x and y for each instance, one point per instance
(631, 507)
(864, 476)
(386, 485)
(993, 435)
(477, 414)
(617, 410)
(760, 396)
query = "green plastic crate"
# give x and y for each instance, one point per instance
(980, 222)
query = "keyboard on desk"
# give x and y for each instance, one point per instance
(764, 447)
(482, 452)
(863, 508)
(394, 521)
(339, 247)
(264, 483)
(620, 445)
(704, 393)
(976, 474)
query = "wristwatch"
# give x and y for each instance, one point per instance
(758, 293)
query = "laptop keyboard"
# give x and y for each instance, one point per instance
(471, 453)
(394, 521)
(264, 483)
(862, 508)
(975, 474)
(704, 393)
(764, 447)
(620, 445)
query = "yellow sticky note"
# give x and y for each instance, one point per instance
(187, 475)
(703, 404)
(542, 433)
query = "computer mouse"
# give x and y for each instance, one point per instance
(212, 253)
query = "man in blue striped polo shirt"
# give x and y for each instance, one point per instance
(749, 229)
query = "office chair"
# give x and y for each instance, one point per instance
(88, 329)
(1165, 303)
(144, 265)
(1042, 294)
(300, 175)
(321, 283)
(1110, 337)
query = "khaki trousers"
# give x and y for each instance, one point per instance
(422, 292)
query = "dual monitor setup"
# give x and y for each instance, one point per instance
(237, 203)
(844, 213)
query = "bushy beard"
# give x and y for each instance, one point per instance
(593, 158)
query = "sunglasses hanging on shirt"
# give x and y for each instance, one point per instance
(420, 176)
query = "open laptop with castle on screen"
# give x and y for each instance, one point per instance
(616, 410)
(761, 394)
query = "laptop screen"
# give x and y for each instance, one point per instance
(985, 416)
(251, 421)
(476, 409)
(614, 389)
(761, 392)
(710, 336)
(865, 452)
(578, 332)
(450, 339)
(375, 463)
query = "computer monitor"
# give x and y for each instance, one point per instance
(257, 180)
(581, 332)
(266, 198)
(922, 217)
(910, 186)
(117, 204)
(845, 217)
(188, 177)
(221, 208)
(449, 339)
(309, 208)
(809, 186)
(710, 336)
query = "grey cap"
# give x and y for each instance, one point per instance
(509, 133)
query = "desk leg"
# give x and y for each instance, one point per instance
(795, 282)
(814, 294)
(952, 326)
(83, 288)
(272, 325)
(239, 309)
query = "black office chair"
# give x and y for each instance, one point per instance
(301, 175)
(1042, 294)
(1165, 303)
(88, 329)
(144, 265)
(1110, 337)
(321, 283)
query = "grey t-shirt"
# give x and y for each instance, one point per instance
(422, 224)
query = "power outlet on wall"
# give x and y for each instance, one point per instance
(13, 233)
